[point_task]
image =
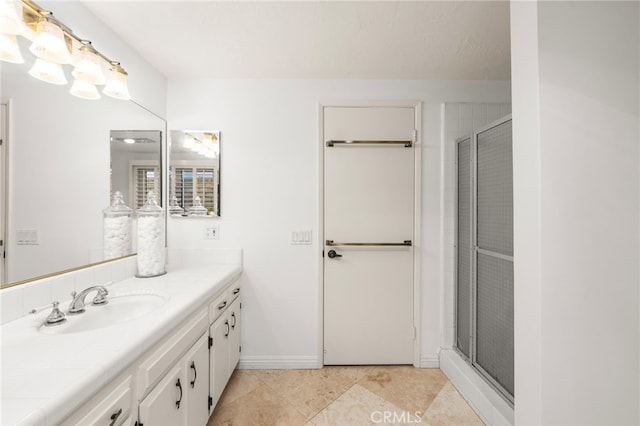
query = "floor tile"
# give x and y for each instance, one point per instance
(412, 389)
(342, 396)
(449, 408)
(258, 407)
(357, 406)
(241, 383)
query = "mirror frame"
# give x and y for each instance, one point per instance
(218, 178)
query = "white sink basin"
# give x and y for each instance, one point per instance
(121, 307)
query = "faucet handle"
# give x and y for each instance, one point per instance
(56, 317)
(101, 297)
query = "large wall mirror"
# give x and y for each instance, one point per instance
(62, 169)
(194, 173)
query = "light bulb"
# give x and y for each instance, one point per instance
(84, 90)
(49, 43)
(11, 17)
(48, 71)
(9, 50)
(117, 83)
(88, 67)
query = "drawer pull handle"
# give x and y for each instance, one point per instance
(195, 374)
(179, 386)
(233, 315)
(236, 291)
(227, 324)
(222, 305)
(115, 416)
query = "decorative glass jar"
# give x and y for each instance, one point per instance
(174, 207)
(116, 221)
(197, 209)
(151, 240)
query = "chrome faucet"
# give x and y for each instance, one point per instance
(77, 304)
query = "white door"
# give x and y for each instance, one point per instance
(369, 175)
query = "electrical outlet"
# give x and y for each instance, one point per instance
(212, 232)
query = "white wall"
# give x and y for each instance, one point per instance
(577, 170)
(270, 152)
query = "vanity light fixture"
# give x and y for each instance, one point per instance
(11, 17)
(53, 45)
(9, 50)
(84, 90)
(88, 67)
(49, 72)
(50, 43)
(129, 140)
(117, 83)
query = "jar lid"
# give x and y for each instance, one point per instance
(197, 209)
(174, 207)
(151, 205)
(117, 205)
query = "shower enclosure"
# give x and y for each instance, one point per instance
(484, 253)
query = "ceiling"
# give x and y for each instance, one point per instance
(443, 40)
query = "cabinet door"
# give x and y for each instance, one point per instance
(195, 365)
(165, 404)
(234, 336)
(219, 357)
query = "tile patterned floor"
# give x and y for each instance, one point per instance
(342, 396)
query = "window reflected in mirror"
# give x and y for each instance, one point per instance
(135, 165)
(194, 173)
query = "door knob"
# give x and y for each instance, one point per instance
(332, 254)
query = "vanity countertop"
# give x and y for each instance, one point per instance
(46, 377)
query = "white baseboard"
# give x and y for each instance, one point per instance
(429, 362)
(485, 401)
(278, 363)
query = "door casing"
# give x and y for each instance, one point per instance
(417, 246)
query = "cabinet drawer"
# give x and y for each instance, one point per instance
(112, 407)
(165, 356)
(218, 306)
(234, 291)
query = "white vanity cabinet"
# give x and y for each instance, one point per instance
(164, 405)
(225, 341)
(195, 365)
(181, 397)
(178, 380)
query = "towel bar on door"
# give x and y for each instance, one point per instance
(346, 143)
(405, 243)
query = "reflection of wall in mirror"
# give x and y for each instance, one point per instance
(59, 171)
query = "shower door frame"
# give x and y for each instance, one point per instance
(472, 358)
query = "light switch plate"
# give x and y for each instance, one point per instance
(301, 237)
(27, 237)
